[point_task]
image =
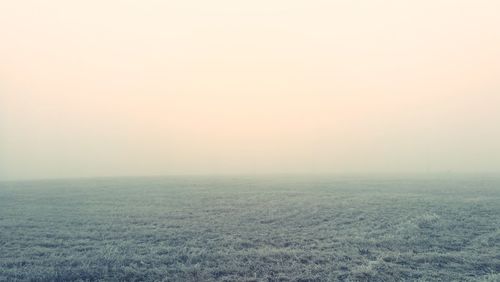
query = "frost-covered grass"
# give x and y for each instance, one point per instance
(251, 229)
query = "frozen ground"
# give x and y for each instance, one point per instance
(251, 229)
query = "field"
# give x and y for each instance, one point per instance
(279, 228)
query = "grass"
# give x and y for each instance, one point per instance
(251, 229)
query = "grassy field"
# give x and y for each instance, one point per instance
(251, 229)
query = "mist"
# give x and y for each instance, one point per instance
(126, 88)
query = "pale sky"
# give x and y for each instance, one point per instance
(111, 88)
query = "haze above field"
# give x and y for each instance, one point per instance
(95, 88)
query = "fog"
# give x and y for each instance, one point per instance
(125, 88)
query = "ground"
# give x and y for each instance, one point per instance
(266, 228)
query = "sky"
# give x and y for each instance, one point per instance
(124, 88)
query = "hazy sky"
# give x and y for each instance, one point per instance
(97, 88)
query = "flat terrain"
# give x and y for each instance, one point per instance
(251, 229)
